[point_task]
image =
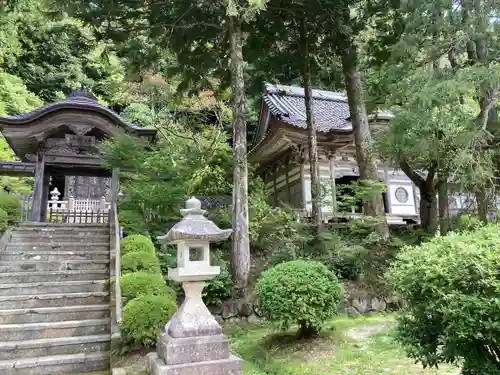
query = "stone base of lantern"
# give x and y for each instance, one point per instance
(228, 366)
(176, 351)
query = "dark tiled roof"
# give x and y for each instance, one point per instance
(76, 100)
(331, 110)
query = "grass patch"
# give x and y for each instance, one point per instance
(362, 346)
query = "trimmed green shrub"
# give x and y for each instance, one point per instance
(137, 243)
(4, 220)
(140, 283)
(140, 261)
(450, 286)
(144, 318)
(132, 222)
(12, 205)
(300, 291)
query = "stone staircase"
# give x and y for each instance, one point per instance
(54, 300)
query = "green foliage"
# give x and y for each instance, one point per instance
(140, 261)
(144, 318)
(217, 290)
(298, 292)
(12, 206)
(140, 283)
(469, 223)
(451, 286)
(15, 98)
(346, 260)
(137, 243)
(132, 222)
(4, 220)
(220, 288)
(275, 231)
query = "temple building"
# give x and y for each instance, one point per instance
(57, 144)
(281, 150)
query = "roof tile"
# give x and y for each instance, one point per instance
(330, 108)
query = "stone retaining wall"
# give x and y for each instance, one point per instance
(357, 302)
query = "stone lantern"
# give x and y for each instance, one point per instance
(192, 342)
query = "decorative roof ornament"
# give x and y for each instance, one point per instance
(194, 226)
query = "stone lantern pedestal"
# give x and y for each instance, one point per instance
(193, 342)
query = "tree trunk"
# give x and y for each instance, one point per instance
(362, 135)
(428, 201)
(482, 203)
(240, 239)
(428, 210)
(443, 208)
(311, 129)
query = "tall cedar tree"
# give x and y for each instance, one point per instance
(347, 29)
(203, 38)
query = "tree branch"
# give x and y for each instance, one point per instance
(412, 175)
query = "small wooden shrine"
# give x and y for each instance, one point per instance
(57, 145)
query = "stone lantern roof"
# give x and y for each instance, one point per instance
(194, 226)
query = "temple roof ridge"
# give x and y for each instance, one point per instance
(297, 91)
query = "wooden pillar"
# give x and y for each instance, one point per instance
(275, 194)
(36, 211)
(388, 194)
(45, 196)
(333, 185)
(287, 182)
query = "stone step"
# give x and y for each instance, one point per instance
(82, 231)
(54, 300)
(70, 265)
(47, 330)
(55, 346)
(54, 314)
(58, 364)
(28, 277)
(13, 255)
(61, 227)
(46, 246)
(50, 287)
(90, 239)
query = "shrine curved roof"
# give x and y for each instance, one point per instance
(77, 101)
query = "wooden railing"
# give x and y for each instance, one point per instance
(77, 211)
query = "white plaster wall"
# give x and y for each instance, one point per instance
(395, 180)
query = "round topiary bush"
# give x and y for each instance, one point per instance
(132, 222)
(12, 205)
(450, 286)
(140, 283)
(4, 220)
(140, 261)
(144, 318)
(137, 243)
(299, 291)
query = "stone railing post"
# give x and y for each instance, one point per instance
(193, 342)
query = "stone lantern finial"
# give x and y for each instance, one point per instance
(193, 342)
